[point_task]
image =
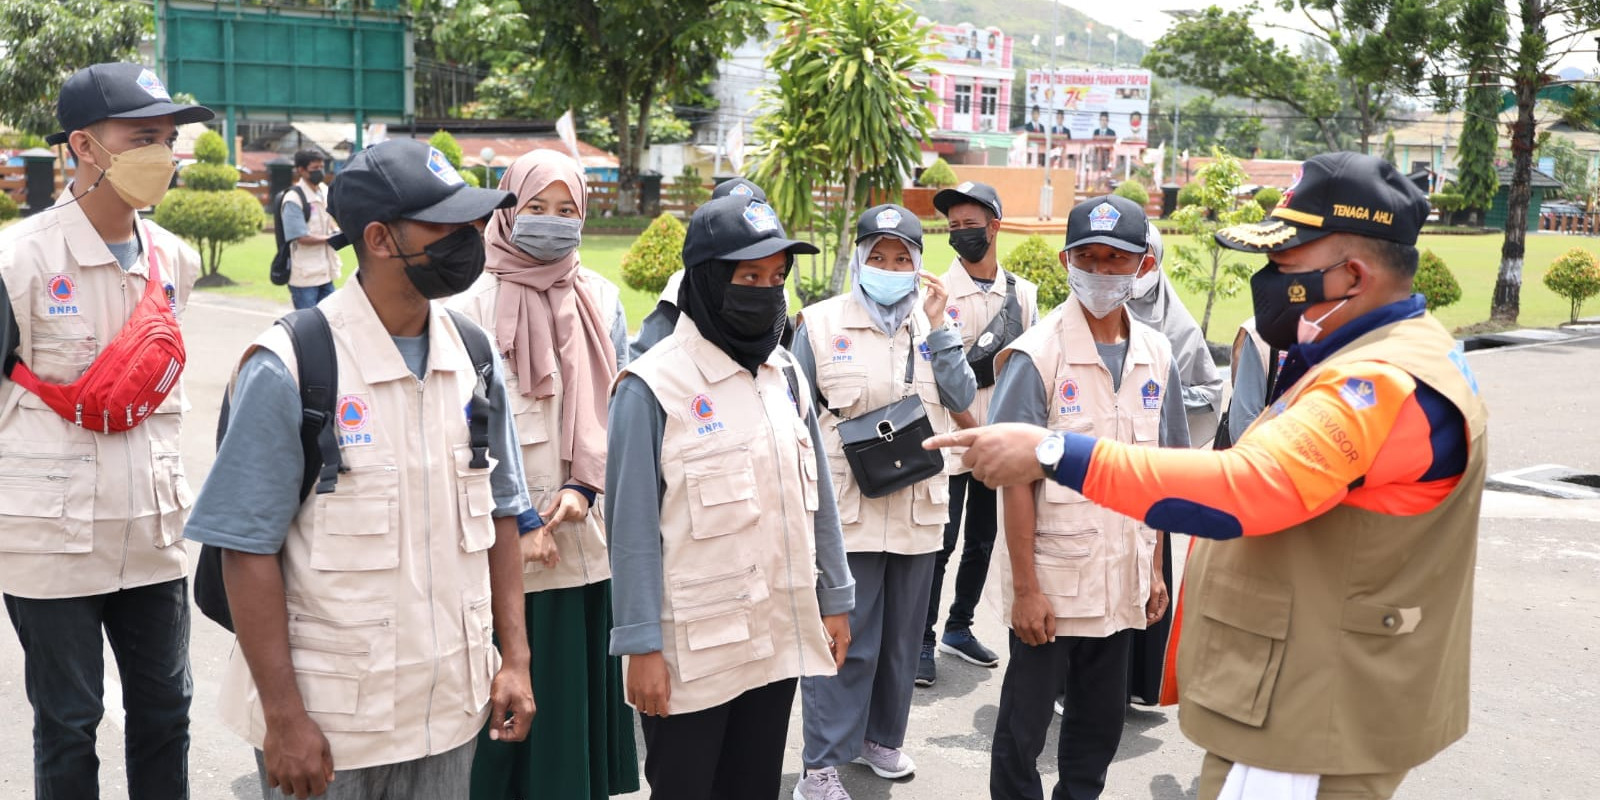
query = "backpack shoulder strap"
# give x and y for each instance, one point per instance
(482, 354)
(305, 205)
(318, 367)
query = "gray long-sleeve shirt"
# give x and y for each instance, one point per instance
(951, 372)
(633, 494)
(1249, 392)
(1020, 394)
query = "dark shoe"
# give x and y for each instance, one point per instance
(967, 647)
(926, 671)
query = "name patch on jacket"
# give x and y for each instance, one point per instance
(842, 349)
(353, 415)
(63, 297)
(705, 414)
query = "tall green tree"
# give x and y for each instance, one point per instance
(45, 41)
(623, 56)
(845, 112)
(1379, 45)
(1219, 51)
(1481, 31)
(1204, 266)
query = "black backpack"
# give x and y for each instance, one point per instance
(280, 260)
(319, 381)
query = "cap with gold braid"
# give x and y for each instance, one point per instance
(1337, 193)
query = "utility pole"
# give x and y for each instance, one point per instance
(1047, 192)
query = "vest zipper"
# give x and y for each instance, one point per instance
(427, 552)
(783, 507)
(127, 527)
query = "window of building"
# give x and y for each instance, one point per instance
(989, 101)
(963, 98)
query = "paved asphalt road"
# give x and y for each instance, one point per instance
(1536, 648)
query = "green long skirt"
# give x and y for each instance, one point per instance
(581, 743)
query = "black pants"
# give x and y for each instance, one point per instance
(64, 674)
(978, 501)
(1094, 676)
(729, 752)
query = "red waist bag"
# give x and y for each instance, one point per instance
(131, 376)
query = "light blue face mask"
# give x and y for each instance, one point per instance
(886, 287)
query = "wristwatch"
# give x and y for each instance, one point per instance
(1049, 452)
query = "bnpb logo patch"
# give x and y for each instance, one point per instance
(62, 289)
(1359, 393)
(702, 408)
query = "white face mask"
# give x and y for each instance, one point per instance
(1146, 283)
(1307, 331)
(1099, 294)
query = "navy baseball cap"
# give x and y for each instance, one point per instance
(736, 228)
(738, 187)
(1110, 220)
(1337, 193)
(890, 220)
(970, 192)
(117, 90)
(405, 179)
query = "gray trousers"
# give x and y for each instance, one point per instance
(870, 698)
(445, 776)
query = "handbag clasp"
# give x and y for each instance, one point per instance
(886, 430)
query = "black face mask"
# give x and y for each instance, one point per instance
(454, 262)
(315, 176)
(751, 311)
(1281, 299)
(971, 244)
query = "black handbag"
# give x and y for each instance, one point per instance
(884, 446)
(1001, 331)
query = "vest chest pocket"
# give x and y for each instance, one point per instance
(61, 352)
(355, 532)
(1240, 645)
(1069, 576)
(1146, 426)
(344, 667)
(47, 498)
(808, 464)
(475, 502)
(722, 493)
(841, 385)
(719, 622)
(847, 494)
(1055, 494)
(930, 501)
(532, 425)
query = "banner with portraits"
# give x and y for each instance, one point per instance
(967, 44)
(1088, 104)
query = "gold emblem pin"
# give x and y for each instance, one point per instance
(1297, 293)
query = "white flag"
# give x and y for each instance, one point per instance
(1017, 154)
(568, 132)
(736, 147)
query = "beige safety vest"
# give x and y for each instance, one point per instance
(970, 310)
(387, 578)
(85, 513)
(859, 368)
(1341, 645)
(312, 264)
(581, 543)
(1092, 563)
(739, 601)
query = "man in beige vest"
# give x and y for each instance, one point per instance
(1075, 579)
(1326, 615)
(307, 227)
(981, 293)
(367, 616)
(91, 523)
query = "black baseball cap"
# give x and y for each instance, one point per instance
(739, 187)
(1337, 193)
(405, 179)
(890, 220)
(117, 90)
(970, 192)
(735, 228)
(1110, 220)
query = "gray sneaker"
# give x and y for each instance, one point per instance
(822, 784)
(927, 672)
(888, 762)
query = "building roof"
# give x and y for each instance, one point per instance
(1260, 171)
(1540, 180)
(1436, 130)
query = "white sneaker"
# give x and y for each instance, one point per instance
(1061, 710)
(821, 784)
(888, 762)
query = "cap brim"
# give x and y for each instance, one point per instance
(890, 232)
(1268, 236)
(467, 204)
(181, 113)
(767, 247)
(1110, 241)
(946, 198)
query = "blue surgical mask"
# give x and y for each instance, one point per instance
(886, 287)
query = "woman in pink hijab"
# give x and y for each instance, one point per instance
(562, 333)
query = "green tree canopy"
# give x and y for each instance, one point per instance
(45, 41)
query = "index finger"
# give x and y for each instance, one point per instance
(951, 439)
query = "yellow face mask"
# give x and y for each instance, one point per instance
(140, 176)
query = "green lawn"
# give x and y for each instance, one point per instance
(1473, 259)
